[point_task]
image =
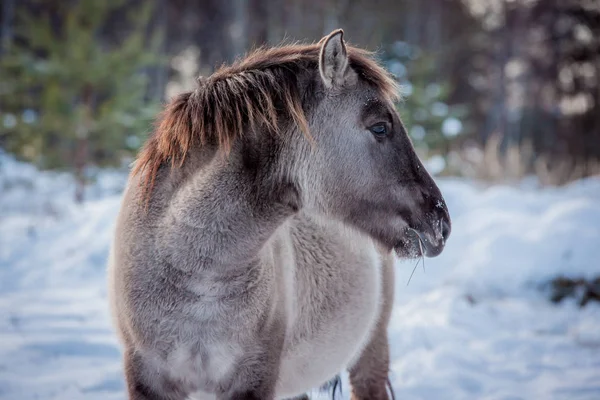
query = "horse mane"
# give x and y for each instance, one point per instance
(255, 91)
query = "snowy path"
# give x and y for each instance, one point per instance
(475, 325)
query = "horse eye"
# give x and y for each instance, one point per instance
(379, 129)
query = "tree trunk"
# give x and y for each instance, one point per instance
(80, 163)
(82, 144)
(8, 11)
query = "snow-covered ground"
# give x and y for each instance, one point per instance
(475, 325)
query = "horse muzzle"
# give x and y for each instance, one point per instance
(433, 241)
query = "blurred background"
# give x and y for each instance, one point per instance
(493, 89)
(501, 98)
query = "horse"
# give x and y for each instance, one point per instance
(254, 247)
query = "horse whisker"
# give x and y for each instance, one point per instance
(421, 259)
(422, 256)
(413, 271)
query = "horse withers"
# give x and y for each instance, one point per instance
(253, 254)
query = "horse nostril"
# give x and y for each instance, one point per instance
(445, 230)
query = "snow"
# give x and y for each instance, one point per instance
(477, 323)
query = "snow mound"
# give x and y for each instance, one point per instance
(475, 325)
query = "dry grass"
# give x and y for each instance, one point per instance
(491, 164)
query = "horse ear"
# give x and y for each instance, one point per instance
(333, 59)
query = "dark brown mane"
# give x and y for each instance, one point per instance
(256, 91)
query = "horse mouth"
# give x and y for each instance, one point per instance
(415, 244)
(410, 246)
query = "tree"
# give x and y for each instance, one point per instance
(70, 97)
(432, 122)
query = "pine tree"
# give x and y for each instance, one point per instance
(71, 96)
(432, 123)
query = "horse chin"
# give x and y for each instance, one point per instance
(409, 246)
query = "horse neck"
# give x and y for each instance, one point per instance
(235, 212)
